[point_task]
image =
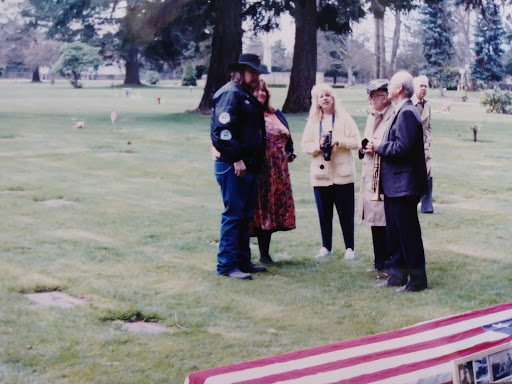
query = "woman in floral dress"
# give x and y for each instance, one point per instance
(275, 209)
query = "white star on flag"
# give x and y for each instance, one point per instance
(500, 325)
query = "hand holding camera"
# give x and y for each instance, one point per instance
(361, 152)
(327, 146)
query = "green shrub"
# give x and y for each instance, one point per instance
(497, 101)
(277, 85)
(451, 78)
(481, 85)
(200, 71)
(188, 76)
(152, 77)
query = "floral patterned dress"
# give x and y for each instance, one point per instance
(275, 209)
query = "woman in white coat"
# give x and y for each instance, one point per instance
(332, 176)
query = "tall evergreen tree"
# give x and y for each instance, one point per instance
(436, 36)
(226, 47)
(489, 33)
(309, 16)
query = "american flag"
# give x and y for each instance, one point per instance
(421, 354)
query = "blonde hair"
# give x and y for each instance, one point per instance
(316, 112)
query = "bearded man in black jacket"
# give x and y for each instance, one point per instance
(238, 136)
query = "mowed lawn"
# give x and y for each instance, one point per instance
(137, 239)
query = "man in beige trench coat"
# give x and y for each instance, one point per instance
(425, 110)
(371, 211)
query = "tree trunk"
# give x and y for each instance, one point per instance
(350, 75)
(377, 48)
(462, 23)
(132, 66)
(382, 48)
(441, 84)
(396, 42)
(303, 75)
(35, 75)
(74, 80)
(474, 135)
(380, 58)
(226, 47)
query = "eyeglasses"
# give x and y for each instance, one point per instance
(374, 95)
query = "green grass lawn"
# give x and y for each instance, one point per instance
(139, 239)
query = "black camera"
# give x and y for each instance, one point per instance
(326, 147)
(364, 143)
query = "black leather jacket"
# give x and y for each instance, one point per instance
(238, 127)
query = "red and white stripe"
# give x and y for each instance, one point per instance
(418, 354)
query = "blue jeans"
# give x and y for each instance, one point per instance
(239, 197)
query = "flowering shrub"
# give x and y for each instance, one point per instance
(497, 101)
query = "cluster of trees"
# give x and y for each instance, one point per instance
(165, 34)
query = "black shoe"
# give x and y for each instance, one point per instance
(388, 283)
(408, 288)
(237, 274)
(253, 269)
(266, 260)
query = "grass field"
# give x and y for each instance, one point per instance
(139, 239)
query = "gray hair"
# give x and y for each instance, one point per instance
(404, 78)
(421, 79)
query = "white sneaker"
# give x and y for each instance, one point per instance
(349, 254)
(322, 252)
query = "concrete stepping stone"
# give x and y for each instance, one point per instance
(55, 299)
(145, 327)
(57, 202)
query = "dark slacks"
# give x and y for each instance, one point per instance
(404, 242)
(426, 200)
(379, 247)
(341, 196)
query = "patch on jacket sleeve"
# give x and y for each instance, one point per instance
(224, 118)
(225, 134)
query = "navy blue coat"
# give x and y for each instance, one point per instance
(403, 169)
(238, 127)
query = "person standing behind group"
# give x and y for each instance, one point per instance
(238, 135)
(275, 209)
(371, 209)
(404, 180)
(329, 136)
(425, 111)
